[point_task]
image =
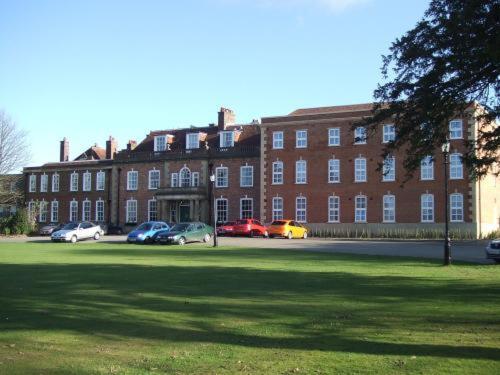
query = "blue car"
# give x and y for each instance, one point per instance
(144, 232)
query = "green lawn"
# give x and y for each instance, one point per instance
(112, 308)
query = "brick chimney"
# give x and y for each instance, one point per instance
(131, 145)
(226, 118)
(111, 147)
(64, 150)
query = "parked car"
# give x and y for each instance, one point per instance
(225, 229)
(112, 229)
(76, 231)
(249, 227)
(145, 232)
(48, 229)
(287, 228)
(186, 232)
(493, 250)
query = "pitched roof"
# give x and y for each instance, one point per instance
(93, 153)
(333, 109)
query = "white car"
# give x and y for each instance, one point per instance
(73, 232)
(493, 250)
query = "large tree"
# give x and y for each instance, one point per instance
(447, 63)
(14, 149)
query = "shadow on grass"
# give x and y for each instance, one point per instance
(304, 310)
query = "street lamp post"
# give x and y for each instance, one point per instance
(214, 209)
(447, 245)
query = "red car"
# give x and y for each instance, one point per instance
(249, 227)
(225, 229)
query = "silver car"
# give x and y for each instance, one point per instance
(76, 231)
(493, 250)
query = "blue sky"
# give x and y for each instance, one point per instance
(90, 69)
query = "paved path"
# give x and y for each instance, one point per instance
(469, 251)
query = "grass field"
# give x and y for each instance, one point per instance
(111, 308)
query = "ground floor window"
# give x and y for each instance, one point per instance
(221, 209)
(301, 209)
(131, 208)
(333, 209)
(86, 210)
(277, 208)
(389, 203)
(246, 208)
(427, 208)
(99, 210)
(456, 207)
(54, 212)
(360, 209)
(44, 211)
(73, 211)
(152, 210)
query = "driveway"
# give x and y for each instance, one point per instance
(468, 251)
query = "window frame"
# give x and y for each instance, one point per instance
(423, 209)
(56, 179)
(43, 215)
(389, 171)
(100, 181)
(357, 169)
(275, 141)
(157, 143)
(128, 211)
(225, 212)
(358, 210)
(331, 171)
(246, 167)
(73, 214)
(86, 204)
(454, 169)
(304, 209)
(152, 214)
(452, 131)
(99, 210)
(241, 208)
(223, 178)
(429, 166)
(360, 139)
(333, 209)
(330, 137)
(390, 209)
(189, 144)
(73, 181)
(460, 209)
(174, 179)
(276, 210)
(131, 180)
(54, 211)
(87, 182)
(32, 183)
(279, 174)
(44, 183)
(154, 182)
(299, 139)
(222, 139)
(388, 135)
(302, 174)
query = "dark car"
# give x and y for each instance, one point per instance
(113, 229)
(48, 229)
(186, 232)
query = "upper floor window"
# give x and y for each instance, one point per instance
(154, 179)
(300, 172)
(333, 209)
(277, 173)
(100, 181)
(389, 207)
(456, 207)
(195, 179)
(389, 133)
(87, 181)
(456, 168)
(334, 137)
(221, 177)
(427, 168)
(277, 208)
(301, 209)
(389, 169)
(132, 180)
(160, 143)
(185, 177)
(278, 141)
(359, 135)
(227, 139)
(174, 180)
(246, 176)
(360, 209)
(192, 141)
(73, 186)
(301, 139)
(333, 170)
(427, 208)
(456, 129)
(44, 183)
(55, 182)
(32, 183)
(360, 170)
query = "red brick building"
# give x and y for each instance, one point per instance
(317, 170)
(308, 166)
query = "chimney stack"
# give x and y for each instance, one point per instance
(64, 150)
(131, 145)
(111, 147)
(226, 118)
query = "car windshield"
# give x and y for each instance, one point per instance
(278, 222)
(242, 222)
(145, 226)
(179, 227)
(70, 226)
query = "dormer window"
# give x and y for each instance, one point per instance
(192, 141)
(160, 143)
(227, 139)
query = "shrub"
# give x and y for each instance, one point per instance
(21, 223)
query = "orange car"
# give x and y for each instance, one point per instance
(287, 228)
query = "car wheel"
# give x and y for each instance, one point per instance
(97, 235)
(73, 239)
(253, 233)
(289, 235)
(271, 236)
(206, 238)
(182, 241)
(147, 240)
(304, 236)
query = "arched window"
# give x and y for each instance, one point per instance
(185, 177)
